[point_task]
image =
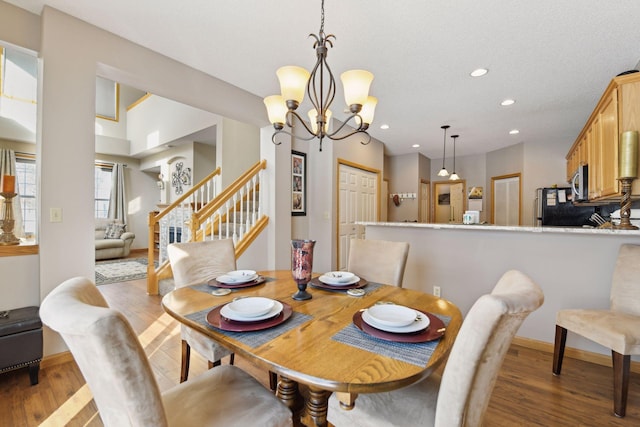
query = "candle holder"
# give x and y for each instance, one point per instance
(625, 205)
(628, 171)
(7, 222)
(302, 266)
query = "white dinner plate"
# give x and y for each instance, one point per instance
(393, 315)
(333, 282)
(275, 310)
(237, 277)
(339, 276)
(416, 326)
(251, 307)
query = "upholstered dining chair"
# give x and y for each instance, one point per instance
(617, 328)
(123, 384)
(379, 261)
(460, 396)
(195, 263)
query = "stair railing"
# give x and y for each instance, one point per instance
(201, 214)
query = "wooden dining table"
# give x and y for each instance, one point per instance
(309, 350)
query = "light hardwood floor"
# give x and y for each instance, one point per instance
(526, 393)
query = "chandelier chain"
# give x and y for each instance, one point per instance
(322, 17)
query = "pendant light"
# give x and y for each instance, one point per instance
(454, 176)
(443, 171)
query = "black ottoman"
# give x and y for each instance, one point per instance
(21, 340)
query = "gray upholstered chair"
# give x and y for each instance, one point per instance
(195, 263)
(617, 328)
(123, 384)
(461, 395)
(378, 261)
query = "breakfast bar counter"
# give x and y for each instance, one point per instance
(573, 266)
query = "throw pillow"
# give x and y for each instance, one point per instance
(114, 231)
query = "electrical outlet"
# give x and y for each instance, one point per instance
(436, 291)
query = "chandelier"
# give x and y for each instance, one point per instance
(320, 87)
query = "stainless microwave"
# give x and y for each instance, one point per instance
(580, 183)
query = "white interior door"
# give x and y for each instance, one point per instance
(357, 201)
(506, 200)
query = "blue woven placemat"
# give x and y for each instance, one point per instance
(415, 353)
(254, 338)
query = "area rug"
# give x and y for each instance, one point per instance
(121, 270)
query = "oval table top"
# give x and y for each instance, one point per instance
(307, 353)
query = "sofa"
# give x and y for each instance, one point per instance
(112, 239)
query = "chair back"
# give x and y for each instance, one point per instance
(625, 284)
(107, 352)
(378, 261)
(482, 342)
(194, 263)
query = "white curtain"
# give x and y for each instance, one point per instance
(118, 199)
(8, 167)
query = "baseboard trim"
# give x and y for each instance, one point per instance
(144, 251)
(574, 353)
(56, 359)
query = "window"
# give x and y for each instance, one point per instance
(102, 190)
(26, 182)
(26, 177)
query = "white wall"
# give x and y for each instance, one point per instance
(158, 120)
(237, 149)
(204, 161)
(404, 177)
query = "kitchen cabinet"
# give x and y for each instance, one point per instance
(597, 144)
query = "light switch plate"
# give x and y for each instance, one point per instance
(55, 215)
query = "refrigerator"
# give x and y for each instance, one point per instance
(554, 207)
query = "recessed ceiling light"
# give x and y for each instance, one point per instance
(508, 102)
(514, 132)
(384, 126)
(479, 72)
(416, 145)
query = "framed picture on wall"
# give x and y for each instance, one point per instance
(298, 183)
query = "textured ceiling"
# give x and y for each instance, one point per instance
(555, 58)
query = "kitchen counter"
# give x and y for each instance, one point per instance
(516, 228)
(572, 265)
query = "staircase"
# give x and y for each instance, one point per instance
(202, 214)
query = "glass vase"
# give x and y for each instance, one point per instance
(302, 266)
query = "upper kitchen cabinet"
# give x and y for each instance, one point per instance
(597, 144)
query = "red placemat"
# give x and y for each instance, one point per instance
(216, 320)
(433, 332)
(214, 282)
(318, 284)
